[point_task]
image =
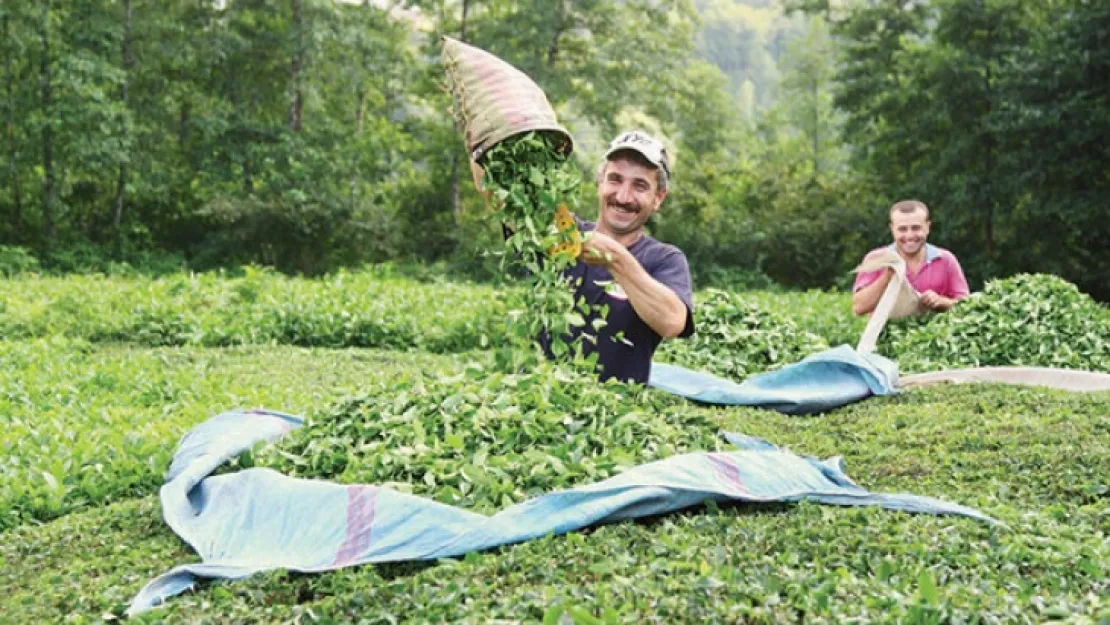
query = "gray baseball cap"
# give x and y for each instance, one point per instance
(646, 145)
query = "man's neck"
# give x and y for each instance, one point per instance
(914, 260)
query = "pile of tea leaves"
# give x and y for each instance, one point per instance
(530, 177)
(504, 431)
(485, 439)
(1024, 320)
(737, 338)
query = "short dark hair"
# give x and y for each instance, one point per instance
(909, 206)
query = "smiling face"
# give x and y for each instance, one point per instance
(628, 195)
(910, 231)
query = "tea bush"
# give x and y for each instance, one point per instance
(361, 309)
(485, 440)
(736, 338)
(84, 424)
(1024, 320)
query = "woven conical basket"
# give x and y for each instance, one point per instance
(494, 100)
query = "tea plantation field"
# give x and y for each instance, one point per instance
(100, 377)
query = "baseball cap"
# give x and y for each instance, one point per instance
(648, 146)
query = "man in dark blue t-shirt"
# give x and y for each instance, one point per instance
(645, 283)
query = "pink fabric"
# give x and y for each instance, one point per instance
(941, 274)
(360, 521)
(728, 470)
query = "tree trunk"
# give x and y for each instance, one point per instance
(121, 187)
(363, 93)
(360, 107)
(183, 125)
(238, 136)
(456, 201)
(988, 165)
(248, 172)
(13, 148)
(296, 99)
(816, 127)
(560, 27)
(462, 26)
(47, 129)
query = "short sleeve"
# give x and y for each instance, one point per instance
(867, 278)
(674, 271)
(957, 283)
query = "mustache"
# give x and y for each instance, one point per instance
(628, 206)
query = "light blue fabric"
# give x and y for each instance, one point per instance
(820, 382)
(258, 519)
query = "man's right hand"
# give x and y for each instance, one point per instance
(936, 301)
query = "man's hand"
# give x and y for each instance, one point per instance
(937, 302)
(656, 303)
(867, 298)
(600, 250)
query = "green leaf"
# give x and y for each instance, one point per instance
(927, 588)
(582, 617)
(552, 614)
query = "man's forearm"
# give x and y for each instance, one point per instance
(866, 299)
(656, 303)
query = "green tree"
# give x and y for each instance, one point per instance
(807, 99)
(1052, 126)
(16, 41)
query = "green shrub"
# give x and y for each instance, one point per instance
(709, 275)
(1024, 320)
(342, 310)
(15, 260)
(736, 338)
(828, 314)
(486, 440)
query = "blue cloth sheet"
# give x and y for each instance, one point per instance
(819, 383)
(258, 519)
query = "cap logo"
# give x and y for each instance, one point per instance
(645, 144)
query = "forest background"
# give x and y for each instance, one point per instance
(309, 135)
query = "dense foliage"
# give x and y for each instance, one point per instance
(736, 338)
(1026, 320)
(374, 308)
(1035, 459)
(485, 440)
(85, 425)
(314, 134)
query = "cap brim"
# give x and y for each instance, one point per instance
(658, 163)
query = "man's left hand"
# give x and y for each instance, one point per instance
(600, 250)
(936, 301)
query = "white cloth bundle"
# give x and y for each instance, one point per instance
(898, 300)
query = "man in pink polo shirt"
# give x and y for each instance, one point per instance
(932, 271)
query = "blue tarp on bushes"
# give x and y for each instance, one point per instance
(258, 519)
(820, 382)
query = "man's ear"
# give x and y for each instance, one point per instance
(659, 197)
